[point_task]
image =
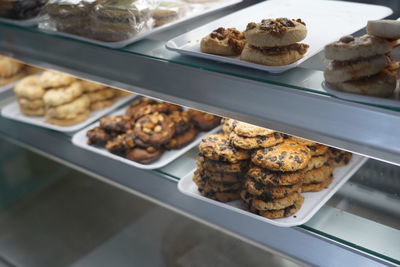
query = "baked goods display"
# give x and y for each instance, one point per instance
(272, 42)
(168, 11)
(362, 65)
(20, 9)
(267, 170)
(10, 70)
(148, 128)
(61, 98)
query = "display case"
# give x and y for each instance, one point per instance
(358, 226)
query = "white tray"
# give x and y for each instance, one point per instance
(326, 22)
(393, 102)
(313, 201)
(12, 111)
(80, 139)
(8, 86)
(212, 6)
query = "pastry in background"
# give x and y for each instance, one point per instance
(225, 42)
(10, 70)
(388, 29)
(168, 11)
(21, 9)
(275, 42)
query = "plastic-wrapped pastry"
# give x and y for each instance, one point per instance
(118, 20)
(168, 11)
(20, 9)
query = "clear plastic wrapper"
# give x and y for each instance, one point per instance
(21, 9)
(168, 11)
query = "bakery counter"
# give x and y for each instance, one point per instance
(337, 231)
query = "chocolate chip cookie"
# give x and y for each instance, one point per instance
(217, 147)
(302, 141)
(250, 130)
(257, 189)
(263, 203)
(287, 156)
(225, 177)
(155, 129)
(317, 161)
(221, 196)
(281, 213)
(209, 185)
(228, 125)
(339, 157)
(204, 121)
(315, 187)
(218, 166)
(318, 175)
(182, 139)
(255, 142)
(318, 149)
(268, 177)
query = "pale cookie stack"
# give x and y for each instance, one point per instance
(64, 99)
(10, 70)
(220, 168)
(274, 42)
(318, 173)
(360, 65)
(30, 92)
(100, 96)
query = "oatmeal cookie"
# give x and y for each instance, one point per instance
(63, 95)
(69, 110)
(100, 95)
(217, 147)
(287, 156)
(30, 104)
(9, 67)
(88, 86)
(80, 117)
(102, 104)
(54, 79)
(29, 88)
(33, 112)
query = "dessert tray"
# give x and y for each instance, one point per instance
(326, 22)
(313, 201)
(79, 139)
(194, 11)
(12, 111)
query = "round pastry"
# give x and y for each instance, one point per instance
(54, 79)
(341, 71)
(268, 177)
(209, 185)
(317, 161)
(272, 204)
(102, 104)
(33, 112)
(255, 142)
(101, 94)
(315, 187)
(156, 128)
(30, 104)
(221, 196)
(225, 42)
(144, 155)
(30, 88)
(318, 149)
(69, 110)
(9, 67)
(214, 166)
(203, 121)
(273, 192)
(182, 139)
(218, 147)
(153, 108)
(350, 48)
(275, 32)
(281, 213)
(287, 156)
(181, 120)
(302, 141)
(228, 125)
(389, 29)
(67, 122)
(250, 130)
(339, 157)
(120, 124)
(88, 86)
(137, 104)
(99, 136)
(60, 96)
(318, 175)
(382, 84)
(274, 56)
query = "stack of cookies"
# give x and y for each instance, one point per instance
(30, 92)
(274, 42)
(220, 168)
(100, 96)
(359, 65)
(10, 70)
(64, 99)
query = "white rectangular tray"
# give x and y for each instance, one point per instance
(326, 22)
(12, 111)
(313, 201)
(80, 139)
(213, 6)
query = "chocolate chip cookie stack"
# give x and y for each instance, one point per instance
(64, 99)
(318, 173)
(274, 42)
(100, 96)
(220, 168)
(359, 65)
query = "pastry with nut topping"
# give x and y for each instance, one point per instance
(155, 129)
(225, 42)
